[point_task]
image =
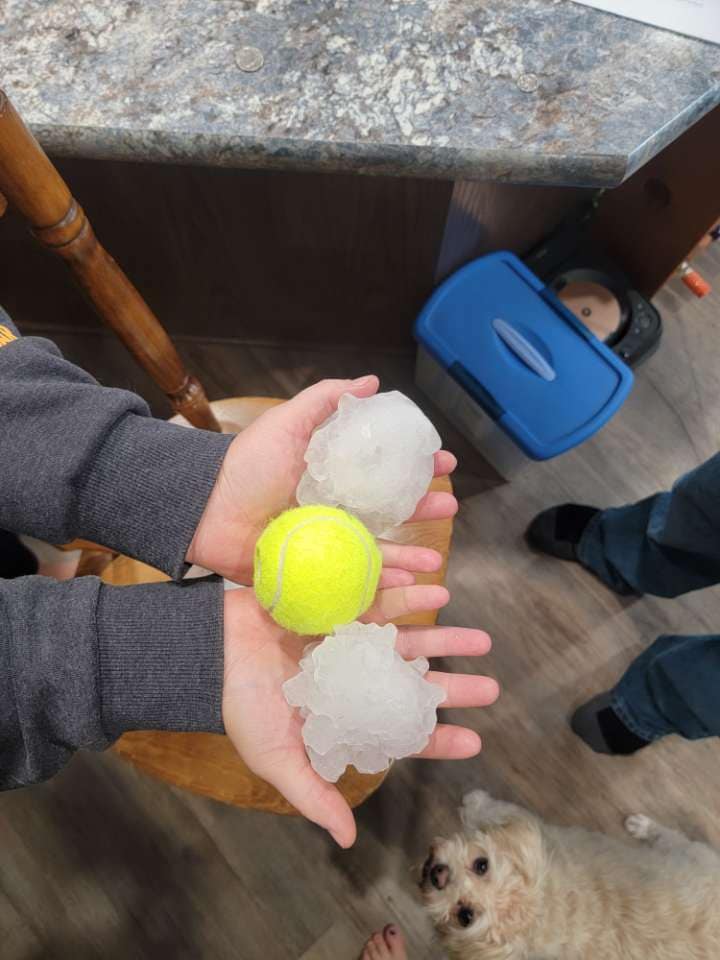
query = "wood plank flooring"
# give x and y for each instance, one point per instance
(105, 862)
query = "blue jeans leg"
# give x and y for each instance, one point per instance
(666, 545)
(674, 687)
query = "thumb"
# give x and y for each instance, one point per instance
(314, 798)
(318, 402)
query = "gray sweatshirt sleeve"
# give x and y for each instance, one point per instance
(82, 662)
(80, 460)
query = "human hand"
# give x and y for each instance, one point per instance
(260, 656)
(260, 474)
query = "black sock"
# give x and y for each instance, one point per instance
(617, 736)
(571, 520)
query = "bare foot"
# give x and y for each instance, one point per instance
(388, 945)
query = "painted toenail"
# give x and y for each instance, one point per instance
(392, 931)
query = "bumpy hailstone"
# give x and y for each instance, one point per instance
(362, 703)
(374, 457)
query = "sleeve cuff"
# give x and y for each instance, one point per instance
(148, 487)
(160, 649)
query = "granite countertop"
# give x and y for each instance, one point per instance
(541, 91)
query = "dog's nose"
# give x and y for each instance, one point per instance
(439, 875)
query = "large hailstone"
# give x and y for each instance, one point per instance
(373, 457)
(362, 703)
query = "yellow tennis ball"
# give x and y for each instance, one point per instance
(316, 568)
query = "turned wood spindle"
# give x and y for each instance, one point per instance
(33, 186)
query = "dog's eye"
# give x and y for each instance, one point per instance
(465, 916)
(481, 865)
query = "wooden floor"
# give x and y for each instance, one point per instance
(104, 862)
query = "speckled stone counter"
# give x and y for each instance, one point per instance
(535, 91)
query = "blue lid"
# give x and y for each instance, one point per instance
(529, 363)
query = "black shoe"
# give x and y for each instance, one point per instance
(597, 725)
(557, 531)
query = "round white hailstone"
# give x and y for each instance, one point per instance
(374, 457)
(362, 703)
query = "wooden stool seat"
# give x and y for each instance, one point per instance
(207, 763)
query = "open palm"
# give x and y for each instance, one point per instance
(260, 474)
(260, 656)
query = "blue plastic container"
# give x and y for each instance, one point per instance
(498, 349)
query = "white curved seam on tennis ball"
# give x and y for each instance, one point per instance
(304, 523)
(299, 526)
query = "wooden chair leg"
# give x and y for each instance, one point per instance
(34, 187)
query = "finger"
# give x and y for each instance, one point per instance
(449, 742)
(442, 642)
(318, 402)
(393, 577)
(445, 463)
(417, 559)
(435, 505)
(313, 797)
(400, 601)
(465, 689)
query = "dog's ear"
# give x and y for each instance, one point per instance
(521, 839)
(480, 811)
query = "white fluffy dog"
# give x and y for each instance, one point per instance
(510, 887)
